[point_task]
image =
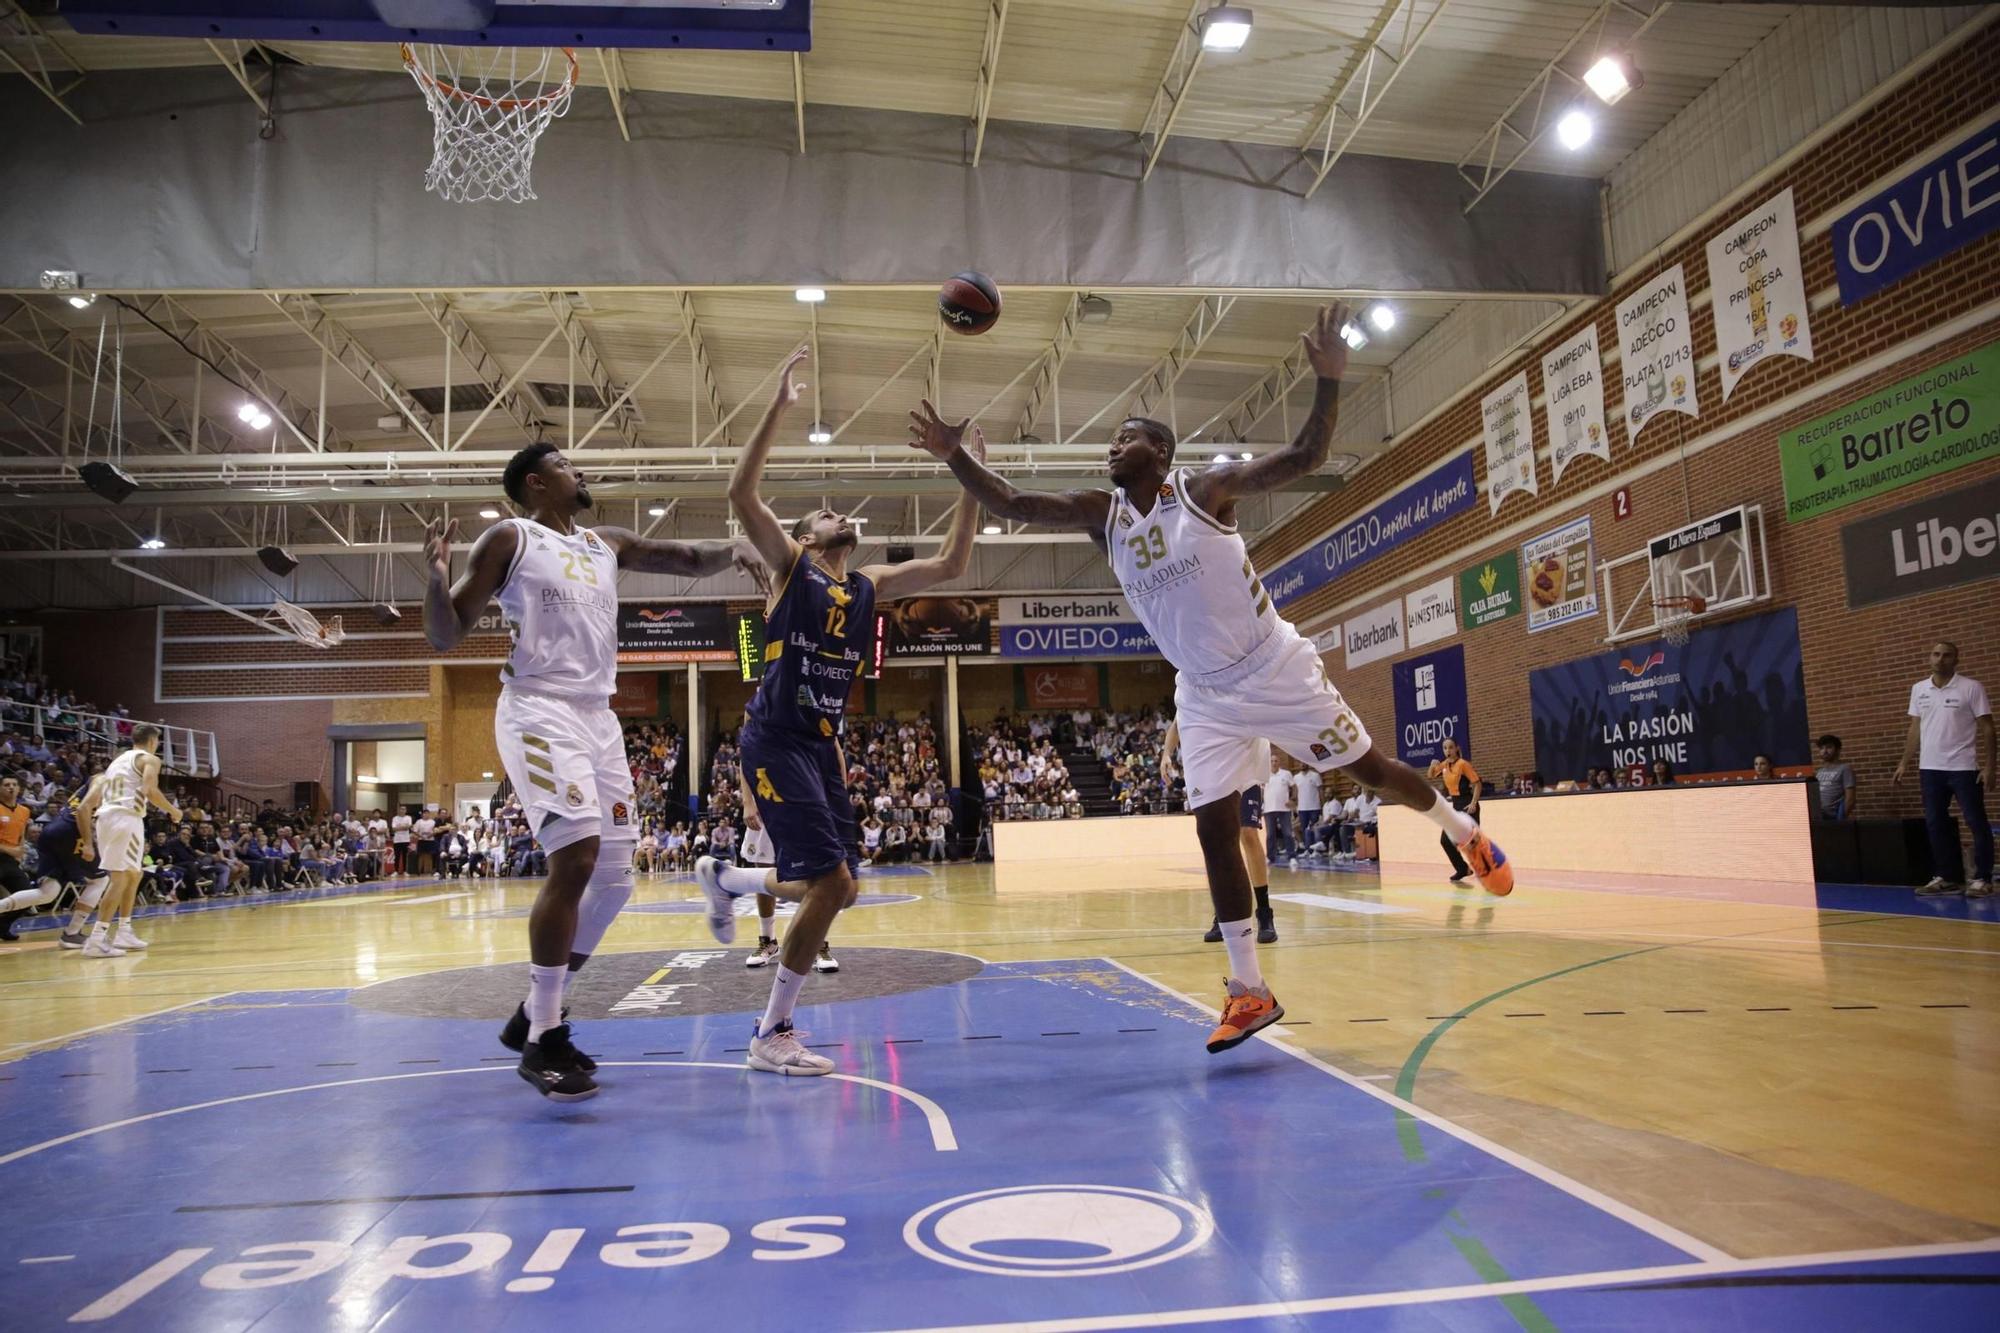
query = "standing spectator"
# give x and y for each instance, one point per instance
(1834, 779)
(1278, 797)
(399, 842)
(1951, 733)
(424, 841)
(1461, 788)
(1306, 794)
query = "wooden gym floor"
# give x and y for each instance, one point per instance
(1586, 1084)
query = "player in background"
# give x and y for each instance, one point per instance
(67, 855)
(759, 856)
(1251, 815)
(1245, 674)
(562, 746)
(118, 827)
(820, 625)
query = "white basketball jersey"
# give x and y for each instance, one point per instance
(1189, 580)
(124, 785)
(560, 601)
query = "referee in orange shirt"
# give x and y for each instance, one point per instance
(1461, 788)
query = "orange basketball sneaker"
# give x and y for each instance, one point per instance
(1489, 864)
(1246, 1013)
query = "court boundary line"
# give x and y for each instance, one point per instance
(1468, 1291)
(943, 1137)
(1548, 1175)
(115, 1023)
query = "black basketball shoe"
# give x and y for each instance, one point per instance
(1267, 926)
(515, 1036)
(1214, 935)
(551, 1065)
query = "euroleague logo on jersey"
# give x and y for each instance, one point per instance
(620, 814)
(1167, 496)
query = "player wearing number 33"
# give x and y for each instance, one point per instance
(1246, 675)
(819, 629)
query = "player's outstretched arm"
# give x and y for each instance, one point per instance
(695, 560)
(451, 612)
(760, 525)
(953, 558)
(1073, 511)
(1217, 488)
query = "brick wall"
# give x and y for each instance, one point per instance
(1858, 665)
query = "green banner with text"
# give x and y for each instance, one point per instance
(1490, 591)
(1933, 423)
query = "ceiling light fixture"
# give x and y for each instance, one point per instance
(489, 512)
(1611, 78)
(991, 530)
(1094, 309)
(1221, 458)
(819, 435)
(810, 295)
(1351, 334)
(1225, 28)
(249, 412)
(658, 511)
(1574, 129)
(153, 544)
(1383, 316)
(83, 300)
(1246, 455)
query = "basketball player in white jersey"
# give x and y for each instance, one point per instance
(557, 584)
(1246, 675)
(118, 826)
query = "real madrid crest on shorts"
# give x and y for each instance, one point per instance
(574, 796)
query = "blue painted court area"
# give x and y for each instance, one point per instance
(1040, 1141)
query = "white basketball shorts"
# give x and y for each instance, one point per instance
(1282, 696)
(121, 840)
(567, 761)
(757, 849)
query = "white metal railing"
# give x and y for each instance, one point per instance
(187, 750)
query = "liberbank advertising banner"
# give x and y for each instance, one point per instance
(1709, 706)
(1097, 625)
(1932, 423)
(1439, 494)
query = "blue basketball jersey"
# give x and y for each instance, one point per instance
(816, 638)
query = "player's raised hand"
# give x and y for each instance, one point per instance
(746, 560)
(437, 546)
(976, 446)
(934, 435)
(1325, 348)
(791, 389)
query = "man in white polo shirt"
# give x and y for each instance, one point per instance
(1278, 794)
(1951, 741)
(1306, 793)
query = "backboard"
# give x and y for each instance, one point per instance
(1721, 559)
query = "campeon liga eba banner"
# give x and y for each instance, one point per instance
(1573, 382)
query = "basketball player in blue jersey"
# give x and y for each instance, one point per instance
(557, 585)
(820, 625)
(1246, 675)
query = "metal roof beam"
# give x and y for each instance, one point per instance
(234, 61)
(799, 97)
(1535, 100)
(175, 421)
(613, 65)
(1161, 376)
(704, 373)
(302, 419)
(989, 74)
(485, 366)
(16, 26)
(591, 362)
(1176, 81)
(1052, 364)
(1372, 73)
(335, 340)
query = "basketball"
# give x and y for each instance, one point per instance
(969, 303)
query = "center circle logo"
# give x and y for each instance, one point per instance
(1058, 1230)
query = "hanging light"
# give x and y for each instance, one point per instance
(991, 530)
(1575, 128)
(658, 511)
(819, 435)
(1383, 316)
(1351, 334)
(489, 512)
(153, 544)
(1611, 78)
(1225, 28)
(810, 295)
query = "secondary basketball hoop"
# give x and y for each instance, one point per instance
(486, 123)
(304, 626)
(1676, 616)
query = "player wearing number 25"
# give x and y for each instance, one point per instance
(1246, 675)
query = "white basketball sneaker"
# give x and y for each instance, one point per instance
(125, 939)
(721, 909)
(781, 1052)
(100, 947)
(1979, 888)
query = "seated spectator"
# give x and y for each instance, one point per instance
(674, 852)
(936, 833)
(1760, 769)
(871, 840)
(895, 844)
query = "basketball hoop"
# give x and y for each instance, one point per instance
(1675, 615)
(486, 125)
(304, 626)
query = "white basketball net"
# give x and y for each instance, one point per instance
(1676, 620)
(486, 122)
(305, 626)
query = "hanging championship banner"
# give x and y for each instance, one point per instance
(1758, 291)
(1561, 570)
(1509, 428)
(1573, 380)
(1655, 351)
(1432, 612)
